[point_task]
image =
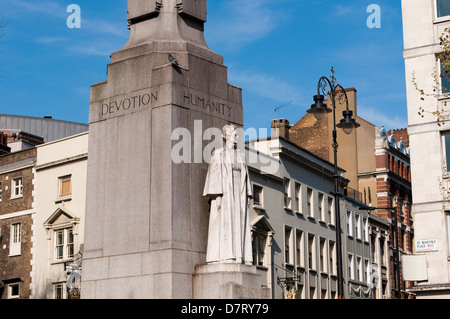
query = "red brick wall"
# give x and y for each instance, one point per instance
(16, 266)
(400, 135)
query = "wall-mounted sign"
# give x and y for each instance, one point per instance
(425, 245)
(73, 281)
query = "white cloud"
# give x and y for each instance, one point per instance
(380, 117)
(40, 7)
(96, 49)
(343, 10)
(50, 40)
(243, 22)
(266, 86)
(56, 10)
(105, 27)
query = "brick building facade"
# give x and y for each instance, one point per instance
(394, 190)
(16, 220)
(378, 167)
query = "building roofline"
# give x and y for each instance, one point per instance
(269, 138)
(43, 118)
(62, 139)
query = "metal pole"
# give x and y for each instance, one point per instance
(337, 206)
(397, 255)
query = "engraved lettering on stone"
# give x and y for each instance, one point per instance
(127, 103)
(204, 103)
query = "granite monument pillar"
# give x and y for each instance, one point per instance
(146, 217)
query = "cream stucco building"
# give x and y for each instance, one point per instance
(423, 23)
(60, 192)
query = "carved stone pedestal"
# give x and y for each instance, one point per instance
(228, 281)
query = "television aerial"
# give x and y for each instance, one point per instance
(281, 106)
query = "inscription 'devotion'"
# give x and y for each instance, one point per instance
(129, 102)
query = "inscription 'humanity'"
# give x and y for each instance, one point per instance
(207, 104)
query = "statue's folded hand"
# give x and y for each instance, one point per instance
(219, 201)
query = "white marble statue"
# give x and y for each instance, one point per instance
(228, 185)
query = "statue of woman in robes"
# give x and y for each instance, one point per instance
(229, 188)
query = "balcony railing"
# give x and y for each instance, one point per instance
(354, 194)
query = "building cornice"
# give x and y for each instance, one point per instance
(62, 161)
(421, 51)
(17, 214)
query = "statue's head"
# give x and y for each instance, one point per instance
(229, 133)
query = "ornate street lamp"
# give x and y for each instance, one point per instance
(319, 110)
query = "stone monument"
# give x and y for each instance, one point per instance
(146, 217)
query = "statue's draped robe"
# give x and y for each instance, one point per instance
(229, 236)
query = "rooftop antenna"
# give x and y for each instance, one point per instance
(280, 107)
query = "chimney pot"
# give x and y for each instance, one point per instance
(280, 128)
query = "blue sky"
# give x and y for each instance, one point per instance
(275, 50)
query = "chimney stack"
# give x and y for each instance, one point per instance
(280, 128)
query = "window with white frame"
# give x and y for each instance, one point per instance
(442, 8)
(331, 210)
(17, 188)
(444, 78)
(257, 195)
(312, 251)
(312, 292)
(366, 271)
(446, 149)
(323, 255)
(309, 200)
(288, 245)
(287, 193)
(365, 228)
(14, 291)
(299, 246)
(351, 267)
(64, 186)
(359, 269)
(58, 291)
(298, 198)
(321, 206)
(15, 239)
(382, 252)
(1, 190)
(373, 249)
(349, 223)
(64, 246)
(259, 249)
(358, 226)
(332, 257)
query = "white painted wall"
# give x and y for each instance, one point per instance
(55, 159)
(422, 29)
